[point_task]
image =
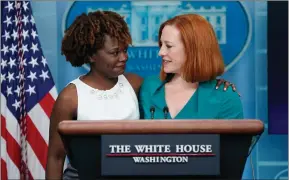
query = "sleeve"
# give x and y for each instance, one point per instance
(231, 107)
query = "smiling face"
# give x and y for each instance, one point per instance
(111, 59)
(189, 47)
(172, 50)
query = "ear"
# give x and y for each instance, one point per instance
(91, 59)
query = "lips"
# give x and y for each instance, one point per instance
(120, 65)
(166, 61)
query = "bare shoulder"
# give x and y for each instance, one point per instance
(135, 81)
(66, 102)
(69, 93)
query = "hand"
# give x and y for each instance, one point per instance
(227, 84)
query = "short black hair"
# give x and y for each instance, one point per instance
(86, 35)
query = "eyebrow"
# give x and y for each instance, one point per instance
(168, 42)
(114, 48)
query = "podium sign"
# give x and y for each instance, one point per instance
(161, 155)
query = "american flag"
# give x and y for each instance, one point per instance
(28, 94)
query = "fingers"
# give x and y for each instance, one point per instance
(233, 87)
(227, 84)
(219, 82)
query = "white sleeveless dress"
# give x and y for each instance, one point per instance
(118, 103)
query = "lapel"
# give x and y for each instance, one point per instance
(158, 95)
(207, 103)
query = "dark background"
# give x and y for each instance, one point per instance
(278, 67)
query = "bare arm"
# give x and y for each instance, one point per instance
(65, 108)
(135, 81)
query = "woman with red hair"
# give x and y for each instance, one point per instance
(191, 61)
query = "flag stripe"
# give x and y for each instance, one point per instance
(41, 121)
(47, 104)
(12, 125)
(12, 170)
(13, 148)
(3, 127)
(35, 167)
(4, 175)
(36, 142)
(53, 93)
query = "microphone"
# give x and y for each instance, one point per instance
(166, 110)
(152, 110)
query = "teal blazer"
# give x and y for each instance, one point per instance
(206, 103)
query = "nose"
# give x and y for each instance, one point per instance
(162, 51)
(123, 56)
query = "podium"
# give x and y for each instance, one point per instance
(159, 149)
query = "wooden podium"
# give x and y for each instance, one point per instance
(159, 149)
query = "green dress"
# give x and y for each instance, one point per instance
(206, 103)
